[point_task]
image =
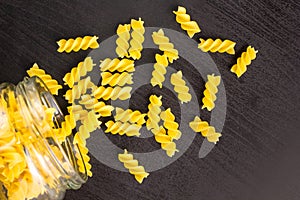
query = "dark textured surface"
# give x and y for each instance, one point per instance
(258, 155)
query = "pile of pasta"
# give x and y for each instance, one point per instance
(89, 101)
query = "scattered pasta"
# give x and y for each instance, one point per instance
(170, 124)
(133, 166)
(130, 116)
(165, 140)
(165, 45)
(185, 21)
(180, 87)
(77, 44)
(211, 89)
(117, 92)
(153, 112)
(120, 79)
(217, 46)
(137, 39)
(52, 84)
(122, 42)
(77, 72)
(122, 128)
(158, 74)
(206, 130)
(115, 64)
(242, 62)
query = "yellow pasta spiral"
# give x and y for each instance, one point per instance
(165, 140)
(180, 87)
(78, 112)
(89, 124)
(211, 89)
(170, 124)
(206, 130)
(66, 127)
(123, 40)
(122, 128)
(185, 21)
(116, 79)
(83, 155)
(153, 112)
(103, 109)
(165, 45)
(77, 72)
(79, 89)
(115, 64)
(52, 84)
(137, 39)
(241, 66)
(217, 46)
(130, 116)
(158, 74)
(117, 92)
(77, 44)
(133, 166)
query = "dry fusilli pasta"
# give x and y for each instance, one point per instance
(130, 116)
(78, 90)
(165, 45)
(133, 166)
(180, 87)
(77, 72)
(165, 140)
(77, 44)
(116, 79)
(241, 66)
(122, 128)
(211, 89)
(103, 109)
(217, 46)
(115, 64)
(52, 84)
(117, 92)
(206, 130)
(153, 112)
(137, 39)
(170, 124)
(158, 74)
(122, 42)
(185, 21)
(83, 155)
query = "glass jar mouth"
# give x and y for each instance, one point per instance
(33, 94)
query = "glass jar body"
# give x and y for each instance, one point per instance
(37, 160)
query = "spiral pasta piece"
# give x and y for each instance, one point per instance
(103, 109)
(78, 112)
(115, 64)
(77, 44)
(217, 46)
(137, 38)
(165, 45)
(170, 124)
(83, 167)
(89, 124)
(206, 130)
(180, 87)
(153, 112)
(133, 166)
(165, 140)
(78, 90)
(122, 128)
(241, 66)
(66, 127)
(130, 116)
(51, 84)
(80, 71)
(123, 32)
(116, 79)
(211, 89)
(191, 27)
(160, 69)
(117, 92)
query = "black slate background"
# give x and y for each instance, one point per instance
(258, 156)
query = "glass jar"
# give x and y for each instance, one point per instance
(34, 162)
